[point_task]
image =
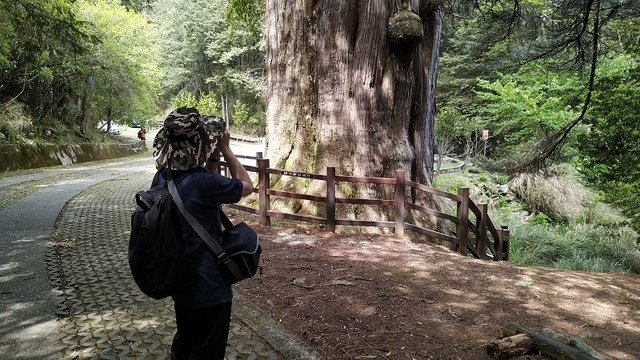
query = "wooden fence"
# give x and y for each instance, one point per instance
(474, 233)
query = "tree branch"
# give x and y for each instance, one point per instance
(551, 144)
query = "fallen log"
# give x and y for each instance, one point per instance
(509, 347)
(549, 346)
(580, 344)
(575, 342)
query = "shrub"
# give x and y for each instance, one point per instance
(494, 165)
(539, 219)
(209, 104)
(14, 123)
(451, 182)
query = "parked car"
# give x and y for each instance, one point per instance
(115, 129)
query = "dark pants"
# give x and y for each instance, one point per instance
(202, 333)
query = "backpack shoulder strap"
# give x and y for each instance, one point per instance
(195, 224)
(224, 219)
(223, 257)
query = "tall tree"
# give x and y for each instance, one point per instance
(121, 75)
(352, 85)
(39, 41)
(203, 54)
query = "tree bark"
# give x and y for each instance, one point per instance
(85, 107)
(341, 94)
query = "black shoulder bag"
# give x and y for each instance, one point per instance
(239, 254)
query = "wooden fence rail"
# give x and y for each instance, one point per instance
(476, 234)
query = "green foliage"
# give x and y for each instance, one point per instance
(451, 123)
(539, 219)
(240, 113)
(75, 63)
(206, 105)
(247, 122)
(611, 155)
(625, 195)
(14, 122)
(597, 212)
(137, 5)
(247, 13)
(7, 33)
(202, 54)
(538, 46)
(522, 108)
(123, 65)
(502, 179)
(597, 240)
(209, 104)
(39, 42)
(184, 99)
(590, 236)
(455, 130)
(452, 182)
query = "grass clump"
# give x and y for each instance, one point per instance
(559, 197)
(586, 247)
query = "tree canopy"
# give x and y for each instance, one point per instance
(551, 80)
(206, 55)
(74, 64)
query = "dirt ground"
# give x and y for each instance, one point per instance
(379, 297)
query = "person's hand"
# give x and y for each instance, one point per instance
(223, 142)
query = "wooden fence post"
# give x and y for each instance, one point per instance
(399, 200)
(462, 230)
(481, 241)
(331, 199)
(263, 191)
(504, 246)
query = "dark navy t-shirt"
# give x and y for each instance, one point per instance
(202, 193)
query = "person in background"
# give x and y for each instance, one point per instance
(203, 310)
(142, 134)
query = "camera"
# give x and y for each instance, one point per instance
(215, 124)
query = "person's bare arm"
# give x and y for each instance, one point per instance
(235, 167)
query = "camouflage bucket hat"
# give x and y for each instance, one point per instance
(183, 142)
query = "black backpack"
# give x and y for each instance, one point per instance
(159, 263)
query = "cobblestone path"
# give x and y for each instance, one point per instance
(102, 313)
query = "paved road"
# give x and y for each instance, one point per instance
(66, 292)
(29, 326)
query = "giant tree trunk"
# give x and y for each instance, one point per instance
(350, 84)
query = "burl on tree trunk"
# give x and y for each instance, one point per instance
(351, 84)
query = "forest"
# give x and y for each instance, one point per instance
(553, 85)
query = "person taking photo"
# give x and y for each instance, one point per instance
(203, 308)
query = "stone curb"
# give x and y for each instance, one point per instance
(25, 156)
